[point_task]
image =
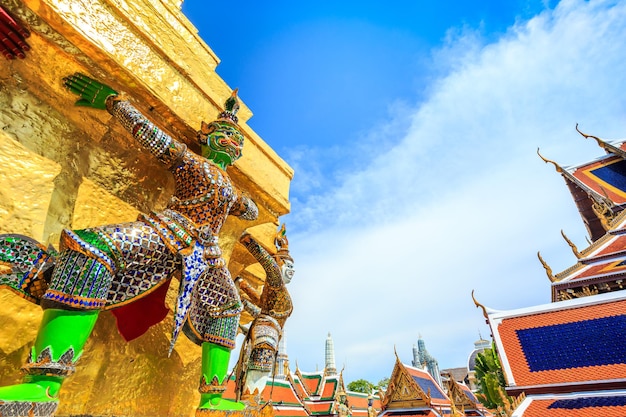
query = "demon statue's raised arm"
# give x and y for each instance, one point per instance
(270, 310)
(112, 267)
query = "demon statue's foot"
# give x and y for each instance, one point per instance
(36, 398)
(28, 392)
(216, 402)
(213, 380)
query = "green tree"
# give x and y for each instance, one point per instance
(491, 382)
(361, 385)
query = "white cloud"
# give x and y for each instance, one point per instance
(462, 201)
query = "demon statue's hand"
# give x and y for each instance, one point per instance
(237, 282)
(12, 35)
(92, 93)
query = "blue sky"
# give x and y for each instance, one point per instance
(413, 129)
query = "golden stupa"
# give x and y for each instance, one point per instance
(70, 167)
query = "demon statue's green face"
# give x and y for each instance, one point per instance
(221, 142)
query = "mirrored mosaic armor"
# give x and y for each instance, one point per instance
(341, 407)
(110, 266)
(114, 266)
(270, 310)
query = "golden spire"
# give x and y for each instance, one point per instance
(479, 305)
(571, 245)
(556, 166)
(546, 267)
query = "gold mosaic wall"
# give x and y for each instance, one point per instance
(69, 167)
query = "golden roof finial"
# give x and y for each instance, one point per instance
(599, 141)
(571, 245)
(556, 166)
(546, 267)
(395, 352)
(479, 305)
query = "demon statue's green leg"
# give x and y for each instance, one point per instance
(59, 343)
(213, 380)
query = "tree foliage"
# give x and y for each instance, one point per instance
(361, 385)
(366, 387)
(491, 382)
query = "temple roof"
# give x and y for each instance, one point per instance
(428, 386)
(311, 381)
(296, 382)
(599, 186)
(413, 390)
(463, 398)
(318, 393)
(321, 407)
(568, 346)
(281, 393)
(605, 404)
(329, 388)
(359, 401)
(605, 177)
(600, 268)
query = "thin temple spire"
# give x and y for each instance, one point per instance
(330, 368)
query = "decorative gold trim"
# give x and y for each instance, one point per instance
(603, 209)
(479, 305)
(546, 267)
(591, 193)
(213, 388)
(600, 142)
(571, 245)
(556, 166)
(608, 148)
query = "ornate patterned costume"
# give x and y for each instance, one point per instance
(111, 267)
(270, 310)
(341, 407)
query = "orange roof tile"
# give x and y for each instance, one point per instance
(280, 392)
(300, 390)
(312, 382)
(320, 407)
(611, 405)
(330, 387)
(357, 399)
(230, 389)
(523, 339)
